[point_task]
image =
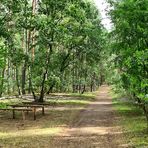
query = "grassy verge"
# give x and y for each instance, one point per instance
(74, 99)
(133, 122)
(39, 133)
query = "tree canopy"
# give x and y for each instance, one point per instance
(49, 46)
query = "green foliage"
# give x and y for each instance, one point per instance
(49, 46)
(130, 45)
(128, 50)
(3, 105)
(133, 123)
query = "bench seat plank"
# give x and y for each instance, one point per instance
(17, 109)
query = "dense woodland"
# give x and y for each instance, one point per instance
(129, 48)
(61, 46)
(50, 46)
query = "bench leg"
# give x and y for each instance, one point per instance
(27, 111)
(23, 115)
(13, 113)
(43, 111)
(34, 113)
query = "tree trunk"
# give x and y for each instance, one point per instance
(41, 99)
(17, 82)
(143, 108)
(146, 114)
(83, 89)
(91, 87)
(26, 41)
(8, 77)
(24, 77)
(51, 88)
(31, 86)
(34, 3)
(2, 82)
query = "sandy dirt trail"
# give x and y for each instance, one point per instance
(95, 127)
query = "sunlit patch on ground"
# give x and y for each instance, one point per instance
(26, 133)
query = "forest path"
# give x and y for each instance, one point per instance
(95, 127)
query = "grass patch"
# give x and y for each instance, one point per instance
(85, 96)
(68, 102)
(133, 122)
(88, 95)
(74, 99)
(6, 102)
(28, 138)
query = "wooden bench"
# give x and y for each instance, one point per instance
(23, 110)
(32, 107)
(37, 103)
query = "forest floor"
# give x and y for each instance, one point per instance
(82, 122)
(95, 127)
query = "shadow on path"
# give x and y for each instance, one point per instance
(94, 128)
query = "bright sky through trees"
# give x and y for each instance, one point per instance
(102, 5)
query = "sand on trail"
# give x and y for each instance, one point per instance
(95, 127)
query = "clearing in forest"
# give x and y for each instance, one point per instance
(75, 123)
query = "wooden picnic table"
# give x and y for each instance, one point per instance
(29, 108)
(37, 103)
(23, 110)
